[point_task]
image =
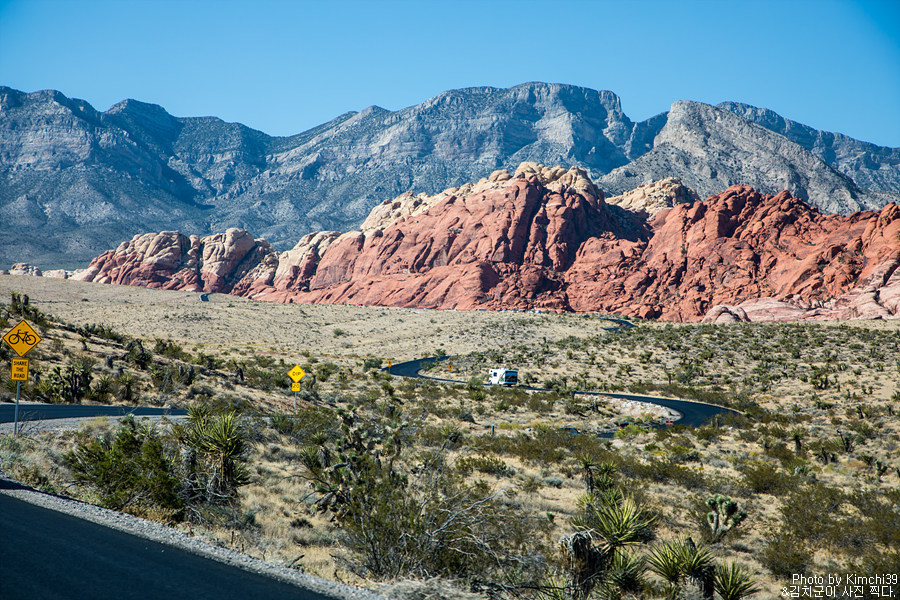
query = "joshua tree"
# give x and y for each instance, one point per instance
(723, 516)
(797, 436)
(847, 441)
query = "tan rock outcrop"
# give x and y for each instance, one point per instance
(656, 196)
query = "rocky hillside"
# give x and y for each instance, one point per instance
(873, 168)
(74, 180)
(545, 238)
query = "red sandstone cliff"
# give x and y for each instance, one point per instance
(545, 238)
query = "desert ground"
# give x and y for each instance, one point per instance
(813, 463)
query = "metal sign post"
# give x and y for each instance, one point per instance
(16, 422)
(296, 374)
(21, 339)
(19, 374)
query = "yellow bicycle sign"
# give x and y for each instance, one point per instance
(22, 338)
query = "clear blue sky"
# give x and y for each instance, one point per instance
(283, 67)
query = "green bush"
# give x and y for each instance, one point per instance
(785, 555)
(131, 470)
(490, 465)
(761, 477)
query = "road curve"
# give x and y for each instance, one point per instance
(693, 414)
(41, 412)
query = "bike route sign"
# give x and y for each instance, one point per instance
(22, 338)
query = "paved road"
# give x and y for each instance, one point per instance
(46, 555)
(693, 414)
(38, 412)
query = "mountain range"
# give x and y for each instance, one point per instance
(75, 181)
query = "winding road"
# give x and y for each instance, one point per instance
(41, 412)
(693, 414)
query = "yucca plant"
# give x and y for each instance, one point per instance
(682, 560)
(222, 440)
(624, 575)
(732, 582)
(615, 519)
(699, 566)
(665, 560)
(552, 588)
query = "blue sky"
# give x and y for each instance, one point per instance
(283, 67)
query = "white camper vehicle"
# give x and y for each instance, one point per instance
(505, 377)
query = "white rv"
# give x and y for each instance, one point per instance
(505, 377)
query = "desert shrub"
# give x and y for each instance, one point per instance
(170, 349)
(214, 450)
(490, 465)
(422, 522)
(546, 445)
(629, 431)
(762, 477)
(681, 454)
(820, 515)
(372, 363)
(664, 470)
(101, 331)
(708, 433)
(265, 379)
(880, 512)
(131, 470)
(785, 555)
(307, 423)
(137, 355)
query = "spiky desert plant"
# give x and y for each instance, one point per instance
(225, 441)
(616, 522)
(699, 566)
(624, 575)
(665, 560)
(723, 516)
(681, 560)
(551, 588)
(732, 582)
(221, 440)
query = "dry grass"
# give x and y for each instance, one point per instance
(773, 371)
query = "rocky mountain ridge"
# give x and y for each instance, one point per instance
(78, 180)
(545, 238)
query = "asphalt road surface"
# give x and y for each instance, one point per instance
(40, 412)
(46, 554)
(693, 414)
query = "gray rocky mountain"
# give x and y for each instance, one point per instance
(75, 181)
(710, 149)
(873, 168)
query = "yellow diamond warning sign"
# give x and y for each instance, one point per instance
(19, 369)
(296, 374)
(22, 338)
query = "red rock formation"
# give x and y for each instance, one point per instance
(173, 261)
(736, 246)
(545, 238)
